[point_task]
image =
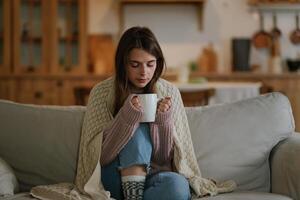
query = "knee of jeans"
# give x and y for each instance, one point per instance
(177, 187)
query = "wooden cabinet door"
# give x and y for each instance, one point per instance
(48, 36)
(68, 37)
(30, 36)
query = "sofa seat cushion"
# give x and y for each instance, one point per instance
(248, 196)
(234, 140)
(227, 196)
(40, 143)
(20, 196)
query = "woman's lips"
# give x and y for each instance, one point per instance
(142, 80)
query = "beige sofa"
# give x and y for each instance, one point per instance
(251, 141)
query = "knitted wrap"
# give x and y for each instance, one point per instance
(99, 115)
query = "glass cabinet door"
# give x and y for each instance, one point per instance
(69, 35)
(29, 36)
(4, 36)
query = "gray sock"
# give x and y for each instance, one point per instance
(133, 187)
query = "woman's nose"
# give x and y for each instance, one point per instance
(143, 69)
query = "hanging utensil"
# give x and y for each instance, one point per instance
(295, 35)
(262, 39)
(275, 32)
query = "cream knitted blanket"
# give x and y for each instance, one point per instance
(98, 116)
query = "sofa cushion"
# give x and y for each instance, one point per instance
(234, 140)
(8, 181)
(40, 142)
(248, 196)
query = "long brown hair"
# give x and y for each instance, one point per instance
(141, 38)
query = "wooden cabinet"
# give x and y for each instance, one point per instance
(42, 43)
(43, 37)
(42, 50)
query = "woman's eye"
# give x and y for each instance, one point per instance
(151, 64)
(134, 65)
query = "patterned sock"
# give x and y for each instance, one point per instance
(133, 187)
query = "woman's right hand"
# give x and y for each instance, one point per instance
(136, 102)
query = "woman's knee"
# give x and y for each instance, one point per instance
(176, 186)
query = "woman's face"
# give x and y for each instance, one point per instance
(140, 68)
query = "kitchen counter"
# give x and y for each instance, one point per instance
(217, 85)
(225, 92)
(237, 75)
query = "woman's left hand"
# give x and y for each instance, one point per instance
(164, 105)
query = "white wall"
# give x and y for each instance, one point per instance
(103, 16)
(176, 27)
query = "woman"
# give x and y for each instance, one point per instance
(138, 160)
(131, 149)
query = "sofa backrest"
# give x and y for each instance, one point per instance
(40, 143)
(231, 141)
(234, 140)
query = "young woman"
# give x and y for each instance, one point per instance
(121, 157)
(138, 156)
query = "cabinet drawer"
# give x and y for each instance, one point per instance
(42, 92)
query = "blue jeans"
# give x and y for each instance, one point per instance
(163, 185)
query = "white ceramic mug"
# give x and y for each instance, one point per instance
(149, 105)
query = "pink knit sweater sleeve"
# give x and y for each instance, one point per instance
(162, 138)
(116, 136)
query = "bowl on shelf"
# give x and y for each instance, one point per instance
(293, 65)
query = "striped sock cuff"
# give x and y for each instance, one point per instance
(133, 187)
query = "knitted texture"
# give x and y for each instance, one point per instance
(98, 116)
(133, 187)
(125, 122)
(123, 126)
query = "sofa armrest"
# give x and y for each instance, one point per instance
(285, 167)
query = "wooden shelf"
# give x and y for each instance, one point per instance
(72, 2)
(31, 39)
(198, 3)
(276, 7)
(162, 1)
(33, 2)
(73, 39)
(252, 75)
